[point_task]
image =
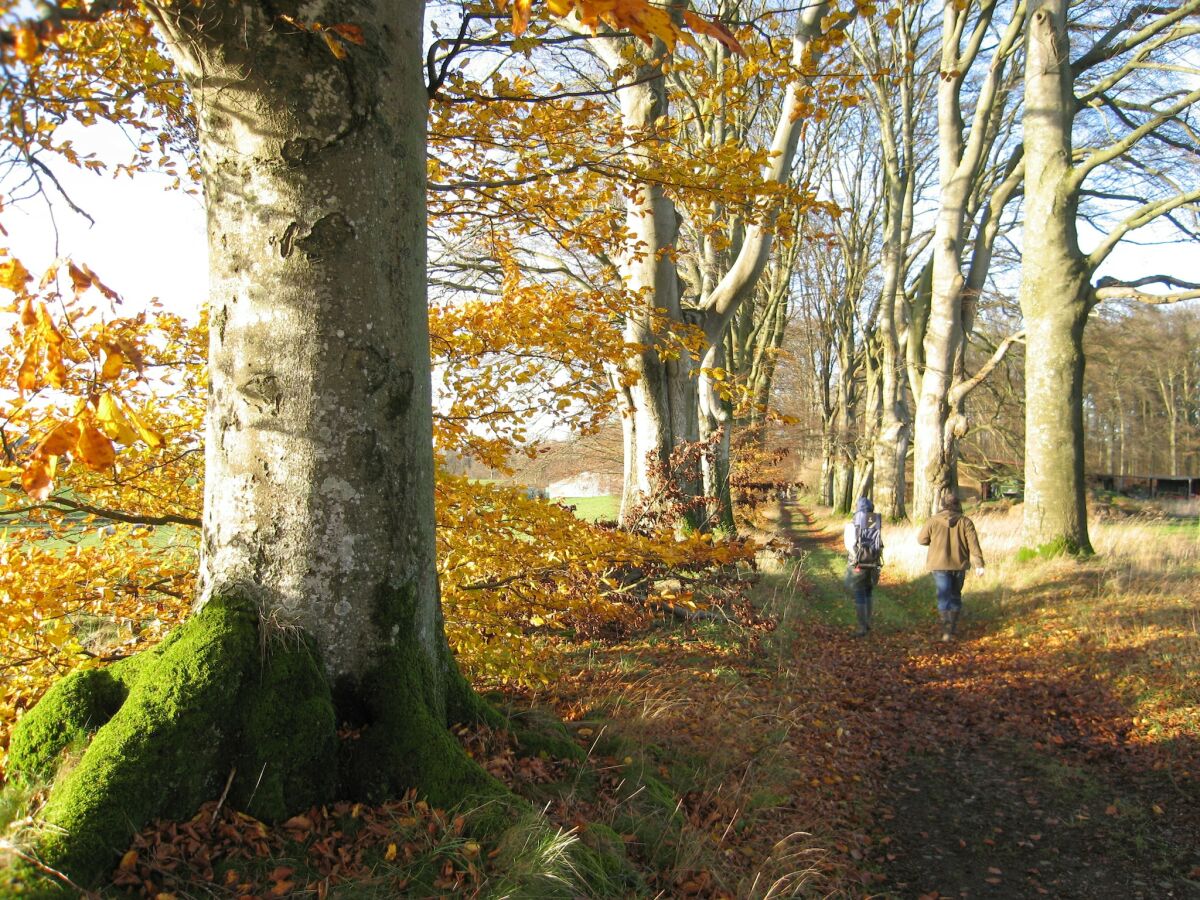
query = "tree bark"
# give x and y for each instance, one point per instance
(319, 597)
(1055, 295)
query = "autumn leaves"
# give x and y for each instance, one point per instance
(69, 383)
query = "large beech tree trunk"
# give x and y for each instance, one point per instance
(1055, 295)
(658, 404)
(319, 596)
(961, 159)
(319, 473)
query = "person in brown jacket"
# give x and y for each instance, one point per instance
(953, 548)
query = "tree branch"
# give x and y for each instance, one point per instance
(963, 388)
(1112, 289)
(1143, 215)
(59, 504)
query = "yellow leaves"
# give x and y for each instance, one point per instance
(14, 276)
(113, 422)
(94, 449)
(27, 47)
(114, 364)
(152, 438)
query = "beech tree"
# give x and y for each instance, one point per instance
(895, 58)
(1057, 293)
(963, 169)
(318, 602)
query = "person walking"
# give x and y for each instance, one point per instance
(953, 548)
(863, 537)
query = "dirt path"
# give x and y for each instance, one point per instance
(989, 767)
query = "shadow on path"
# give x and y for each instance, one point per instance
(996, 768)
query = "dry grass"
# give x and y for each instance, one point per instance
(1132, 612)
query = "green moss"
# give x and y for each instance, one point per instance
(168, 727)
(1060, 546)
(542, 733)
(404, 740)
(67, 716)
(162, 753)
(288, 746)
(601, 860)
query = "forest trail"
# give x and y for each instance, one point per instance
(992, 766)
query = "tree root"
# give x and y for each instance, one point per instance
(215, 710)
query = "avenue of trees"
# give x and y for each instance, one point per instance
(445, 229)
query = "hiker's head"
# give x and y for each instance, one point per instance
(864, 505)
(950, 502)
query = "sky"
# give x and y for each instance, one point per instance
(147, 242)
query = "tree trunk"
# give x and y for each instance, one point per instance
(828, 466)
(1055, 294)
(319, 598)
(662, 395)
(891, 436)
(716, 426)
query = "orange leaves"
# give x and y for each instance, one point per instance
(520, 13)
(73, 372)
(505, 559)
(37, 479)
(59, 441)
(641, 18)
(713, 29)
(94, 449)
(334, 36)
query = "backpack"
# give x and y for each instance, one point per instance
(868, 543)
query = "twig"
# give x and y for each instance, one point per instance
(224, 794)
(47, 870)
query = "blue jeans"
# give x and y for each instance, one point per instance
(859, 582)
(949, 586)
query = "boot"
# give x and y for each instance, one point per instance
(949, 624)
(863, 613)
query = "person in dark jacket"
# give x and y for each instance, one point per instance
(953, 548)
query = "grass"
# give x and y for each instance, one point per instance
(593, 509)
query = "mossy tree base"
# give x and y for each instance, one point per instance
(1061, 546)
(221, 708)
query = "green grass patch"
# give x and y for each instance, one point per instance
(593, 509)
